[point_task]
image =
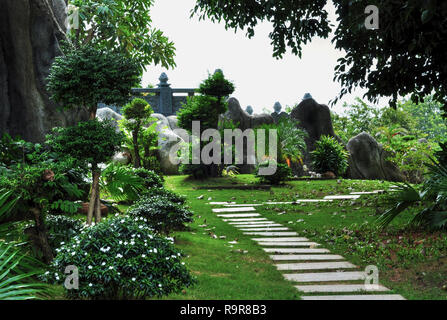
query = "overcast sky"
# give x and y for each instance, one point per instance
(260, 79)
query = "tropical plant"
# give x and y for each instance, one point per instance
(121, 183)
(61, 229)
(88, 76)
(162, 215)
(89, 143)
(283, 173)
(330, 156)
(136, 114)
(432, 193)
(124, 26)
(121, 258)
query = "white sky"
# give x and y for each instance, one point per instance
(260, 79)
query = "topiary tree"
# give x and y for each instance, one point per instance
(87, 76)
(136, 114)
(206, 108)
(330, 156)
(90, 143)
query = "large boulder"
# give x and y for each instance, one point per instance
(368, 160)
(30, 32)
(166, 140)
(245, 121)
(236, 114)
(108, 114)
(316, 120)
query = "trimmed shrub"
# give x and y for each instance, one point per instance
(283, 173)
(330, 156)
(162, 214)
(61, 229)
(171, 196)
(151, 179)
(121, 259)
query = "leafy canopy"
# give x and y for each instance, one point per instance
(404, 56)
(88, 75)
(123, 25)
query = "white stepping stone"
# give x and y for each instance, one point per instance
(366, 193)
(246, 215)
(242, 209)
(347, 197)
(221, 203)
(258, 225)
(315, 266)
(245, 220)
(306, 257)
(280, 239)
(289, 244)
(266, 229)
(297, 251)
(339, 288)
(313, 200)
(271, 234)
(366, 297)
(326, 276)
(264, 223)
(242, 205)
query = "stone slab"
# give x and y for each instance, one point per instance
(264, 223)
(242, 209)
(271, 234)
(258, 225)
(242, 215)
(326, 276)
(306, 257)
(366, 192)
(315, 266)
(344, 197)
(280, 239)
(245, 220)
(341, 288)
(266, 229)
(221, 203)
(289, 244)
(296, 250)
(366, 297)
(242, 205)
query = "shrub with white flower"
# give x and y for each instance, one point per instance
(62, 229)
(121, 258)
(162, 214)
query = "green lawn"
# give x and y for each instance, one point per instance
(411, 262)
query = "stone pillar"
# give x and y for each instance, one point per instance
(165, 106)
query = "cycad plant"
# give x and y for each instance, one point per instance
(433, 193)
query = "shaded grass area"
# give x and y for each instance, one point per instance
(411, 262)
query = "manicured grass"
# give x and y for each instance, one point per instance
(411, 262)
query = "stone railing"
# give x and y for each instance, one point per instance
(163, 99)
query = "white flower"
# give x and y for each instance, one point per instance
(134, 279)
(90, 267)
(90, 285)
(103, 264)
(144, 256)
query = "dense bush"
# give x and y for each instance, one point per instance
(162, 214)
(61, 229)
(283, 173)
(330, 156)
(151, 179)
(216, 86)
(169, 195)
(121, 259)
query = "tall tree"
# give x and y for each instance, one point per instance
(405, 55)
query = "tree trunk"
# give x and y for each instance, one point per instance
(137, 159)
(94, 195)
(30, 31)
(40, 236)
(98, 205)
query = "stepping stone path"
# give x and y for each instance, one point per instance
(313, 270)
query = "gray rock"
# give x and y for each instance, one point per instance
(121, 158)
(173, 122)
(368, 160)
(316, 120)
(108, 114)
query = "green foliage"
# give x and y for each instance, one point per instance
(121, 259)
(137, 112)
(87, 76)
(16, 275)
(205, 109)
(216, 86)
(168, 194)
(125, 26)
(283, 173)
(403, 56)
(330, 155)
(91, 142)
(62, 229)
(432, 193)
(163, 215)
(121, 183)
(150, 178)
(65, 206)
